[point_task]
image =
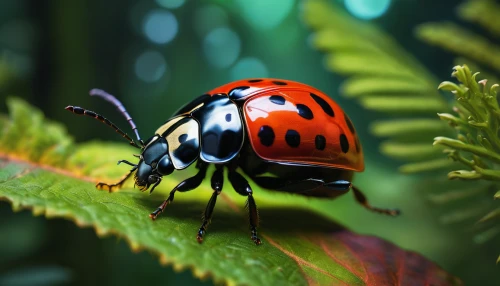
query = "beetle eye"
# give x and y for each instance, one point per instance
(152, 179)
(165, 166)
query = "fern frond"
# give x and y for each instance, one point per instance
(409, 151)
(482, 12)
(461, 41)
(477, 122)
(360, 48)
(404, 104)
(466, 214)
(426, 166)
(487, 235)
(457, 195)
(382, 75)
(475, 66)
(407, 128)
(362, 85)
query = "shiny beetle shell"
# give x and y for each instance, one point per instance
(291, 123)
(284, 135)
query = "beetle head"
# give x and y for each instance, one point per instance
(153, 164)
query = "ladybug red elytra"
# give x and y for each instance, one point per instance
(284, 135)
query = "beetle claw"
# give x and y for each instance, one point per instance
(257, 240)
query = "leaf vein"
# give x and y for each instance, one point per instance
(301, 262)
(338, 261)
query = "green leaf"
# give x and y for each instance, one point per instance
(31, 138)
(304, 248)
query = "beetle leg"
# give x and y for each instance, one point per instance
(126, 162)
(158, 181)
(241, 186)
(184, 186)
(118, 185)
(361, 198)
(216, 182)
(340, 185)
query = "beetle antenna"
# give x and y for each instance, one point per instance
(83, 111)
(110, 98)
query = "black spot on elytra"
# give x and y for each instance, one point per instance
(228, 117)
(277, 99)
(304, 111)
(320, 142)
(349, 124)
(266, 135)
(255, 80)
(292, 138)
(279, 82)
(237, 93)
(344, 144)
(323, 104)
(182, 138)
(356, 144)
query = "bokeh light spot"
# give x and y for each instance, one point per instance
(150, 66)
(160, 26)
(221, 47)
(170, 4)
(367, 9)
(265, 14)
(249, 68)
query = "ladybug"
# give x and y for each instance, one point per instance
(284, 135)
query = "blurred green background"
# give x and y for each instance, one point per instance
(156, 56)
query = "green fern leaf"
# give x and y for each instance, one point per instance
(477, 122)
(458, 40)
(361, 86)
(426, 166)
(409, 151)
(482, 12)
(408, 128)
